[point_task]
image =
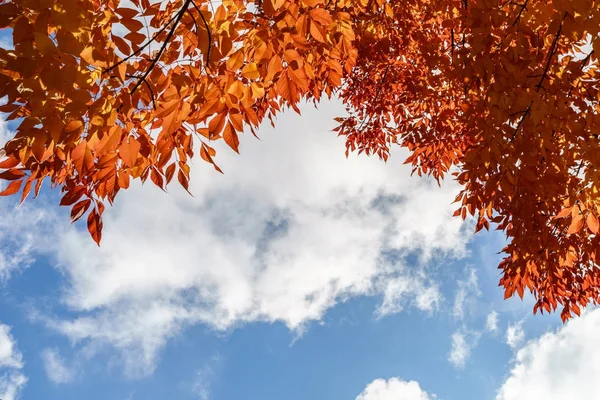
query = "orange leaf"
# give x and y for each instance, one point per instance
(564, 213)
(12, 188)
(592, 223)
(321, 15)
(9, 163)
(231, 138)
(170, 172)
(128, 151)
(72, 126)
(123, 180)
(82, 157)
(26, 190)
(576, 224)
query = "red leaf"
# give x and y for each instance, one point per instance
(592, 223)
(9, 163)
(79, 209)
(12, 174)
(26, 190)
(157, 178)
(12, 188)
(121, 45)
(94, 224)
(72, 196)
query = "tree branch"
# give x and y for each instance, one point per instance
(177, 17)
(521, 121)
(376, 95)
(153, 38)
(207, 31)
(551, 53)
(523, 8)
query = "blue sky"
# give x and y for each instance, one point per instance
(298, 274)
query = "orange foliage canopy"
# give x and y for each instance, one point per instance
(504, 92)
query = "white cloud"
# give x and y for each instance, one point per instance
(55, 367)
(460, 351)
(394, 389)
(467, 289)
(515, 334)
(398, 291)
(291, 229)
(12, 380)
(463, 343)
(10, 357)
(558, 365)
(491, 323)
(202, 382)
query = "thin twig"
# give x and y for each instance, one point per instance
(521, 121)
(452, 51)
(153, 38)
(178, 17)
(207, 31)
(551, 52)
(523, 8)
(585, 60)
(376, 95)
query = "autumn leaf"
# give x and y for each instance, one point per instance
(94, 224)
(79, 209)
(576, 224)
(231, 138)
(496, 96)
(592, 223)
(129, 151)
(12, 188)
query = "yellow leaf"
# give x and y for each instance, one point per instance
(250, 71)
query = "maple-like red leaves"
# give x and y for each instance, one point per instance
(505, 93)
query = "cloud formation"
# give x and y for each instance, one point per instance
(515, 334)
(56, 368)
(559, 365)
(394, 389)
(12, 379)
(491, 322)
(290, 230)
(467, 289)
(460, 351)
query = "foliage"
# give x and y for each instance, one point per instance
(505, 92)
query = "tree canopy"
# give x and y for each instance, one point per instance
(502, 95)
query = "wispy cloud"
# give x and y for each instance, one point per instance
(56, 368)
(491, 322)
(515, 334)
(463, 343)
(202, 382)
(460, 351)
(467, 289)
(12, 379)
